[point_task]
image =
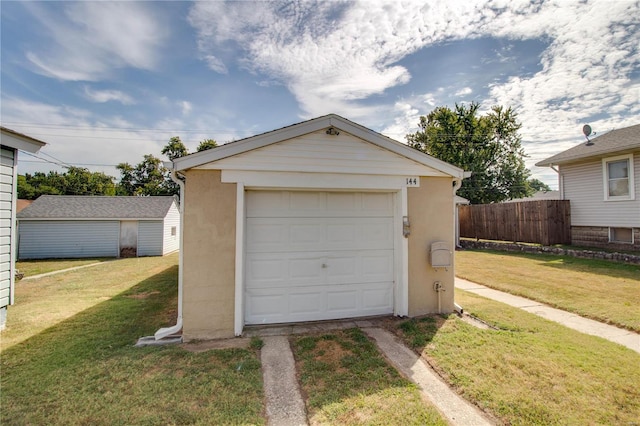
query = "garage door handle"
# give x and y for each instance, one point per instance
(324, 265)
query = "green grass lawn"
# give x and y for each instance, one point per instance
(601, 290)
(346, 381)
(531, 371)
(79, 366)
(41, 266)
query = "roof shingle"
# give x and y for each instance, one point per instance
(620, 140)
(97, 207)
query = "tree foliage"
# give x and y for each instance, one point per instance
(175, 148)
(75, 181)
(488, 145)
(207, 144)
(537, 185)
(149, 177)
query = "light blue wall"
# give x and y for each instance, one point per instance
(68, 239)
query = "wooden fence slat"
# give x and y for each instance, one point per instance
(544, 222)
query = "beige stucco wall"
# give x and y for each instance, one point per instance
(209, 251)
(209, 256)
(430, 209)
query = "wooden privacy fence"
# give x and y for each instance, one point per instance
(545, 222)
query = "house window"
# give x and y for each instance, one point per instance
(618, 177)
(621, 235)
(173, 231)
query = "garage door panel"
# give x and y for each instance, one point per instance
(318, 204)
(377, 297)
(318, 256)
(307, 234)
(344, 302)
(268, 306)
(306, 303)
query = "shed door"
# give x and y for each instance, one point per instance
(318, 255)
(128, 238)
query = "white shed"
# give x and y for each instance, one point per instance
(62, 226)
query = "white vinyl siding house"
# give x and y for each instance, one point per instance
(89, 226)
(602, 179)
(12, 141)
(7, 208)
(584, 185)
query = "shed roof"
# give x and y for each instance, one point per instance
(615, 141)
(309, 126)
(97, 207)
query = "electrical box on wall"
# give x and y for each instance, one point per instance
(440, 255)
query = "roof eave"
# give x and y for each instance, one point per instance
(20, 141)
(331, 120)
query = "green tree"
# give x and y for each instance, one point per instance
(174, 149)
(488, 145)
(537, 185)
(75, 181)
(149, 177)
(207, 144)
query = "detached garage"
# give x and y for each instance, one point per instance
(60, 226)
(321, 220)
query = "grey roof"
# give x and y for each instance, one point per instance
(97, 207)
(616, 141)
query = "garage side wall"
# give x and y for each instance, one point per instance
(430, 210)
(209, 256)
(150, 238)
(48, 239)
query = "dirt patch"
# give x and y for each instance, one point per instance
(207, 345)
(331, 352)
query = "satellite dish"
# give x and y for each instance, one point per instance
(586, 129)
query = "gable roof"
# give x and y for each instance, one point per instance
(19, 141)
(305, 127)
(616, 141)
(97, 207)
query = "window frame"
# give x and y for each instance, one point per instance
(631, 178)
(612, 233)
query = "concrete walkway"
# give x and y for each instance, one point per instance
(595, 328)
(60, 271)
(284, 404)
(456, 410)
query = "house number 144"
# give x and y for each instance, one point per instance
(412, 181)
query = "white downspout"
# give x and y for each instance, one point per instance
(169, 331)
(560, 181)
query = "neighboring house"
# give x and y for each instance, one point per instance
(72, 226)
(601, 179)
(11, 143)
(538, 196)
(324, 219)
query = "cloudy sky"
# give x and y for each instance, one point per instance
(107, 82)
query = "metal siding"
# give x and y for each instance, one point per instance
(584, 187)
(171, 242)
(7, 172)
(68, 239)
(150, 238)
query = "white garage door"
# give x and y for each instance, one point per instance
(318, 255)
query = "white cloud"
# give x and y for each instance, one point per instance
(331, 55)
(102, 96)
(464, 91)
(90, 39)
(334, 55)
(185, 106)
